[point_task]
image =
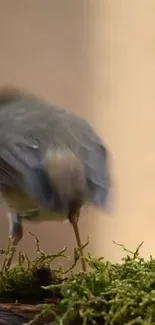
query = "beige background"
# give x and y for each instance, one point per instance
(96, 58)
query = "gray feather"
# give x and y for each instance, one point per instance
(28, 127)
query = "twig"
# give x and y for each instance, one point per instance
(135, 254)
(76, 256)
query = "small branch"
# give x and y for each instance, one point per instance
(135, 254)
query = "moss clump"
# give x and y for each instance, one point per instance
(111, 294)
(24, 280)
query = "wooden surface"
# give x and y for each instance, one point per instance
(18, 314)
(21, 314)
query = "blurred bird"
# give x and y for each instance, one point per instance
(51, 163)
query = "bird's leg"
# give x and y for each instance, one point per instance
(73, 218)
(16, 233)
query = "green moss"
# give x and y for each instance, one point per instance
(24, 280)
(110, 294)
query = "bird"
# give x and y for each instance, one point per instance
(52, 162)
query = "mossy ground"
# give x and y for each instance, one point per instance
(111, 294)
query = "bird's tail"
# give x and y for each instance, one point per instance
(66, 174)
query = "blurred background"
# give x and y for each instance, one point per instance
(97, 59)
